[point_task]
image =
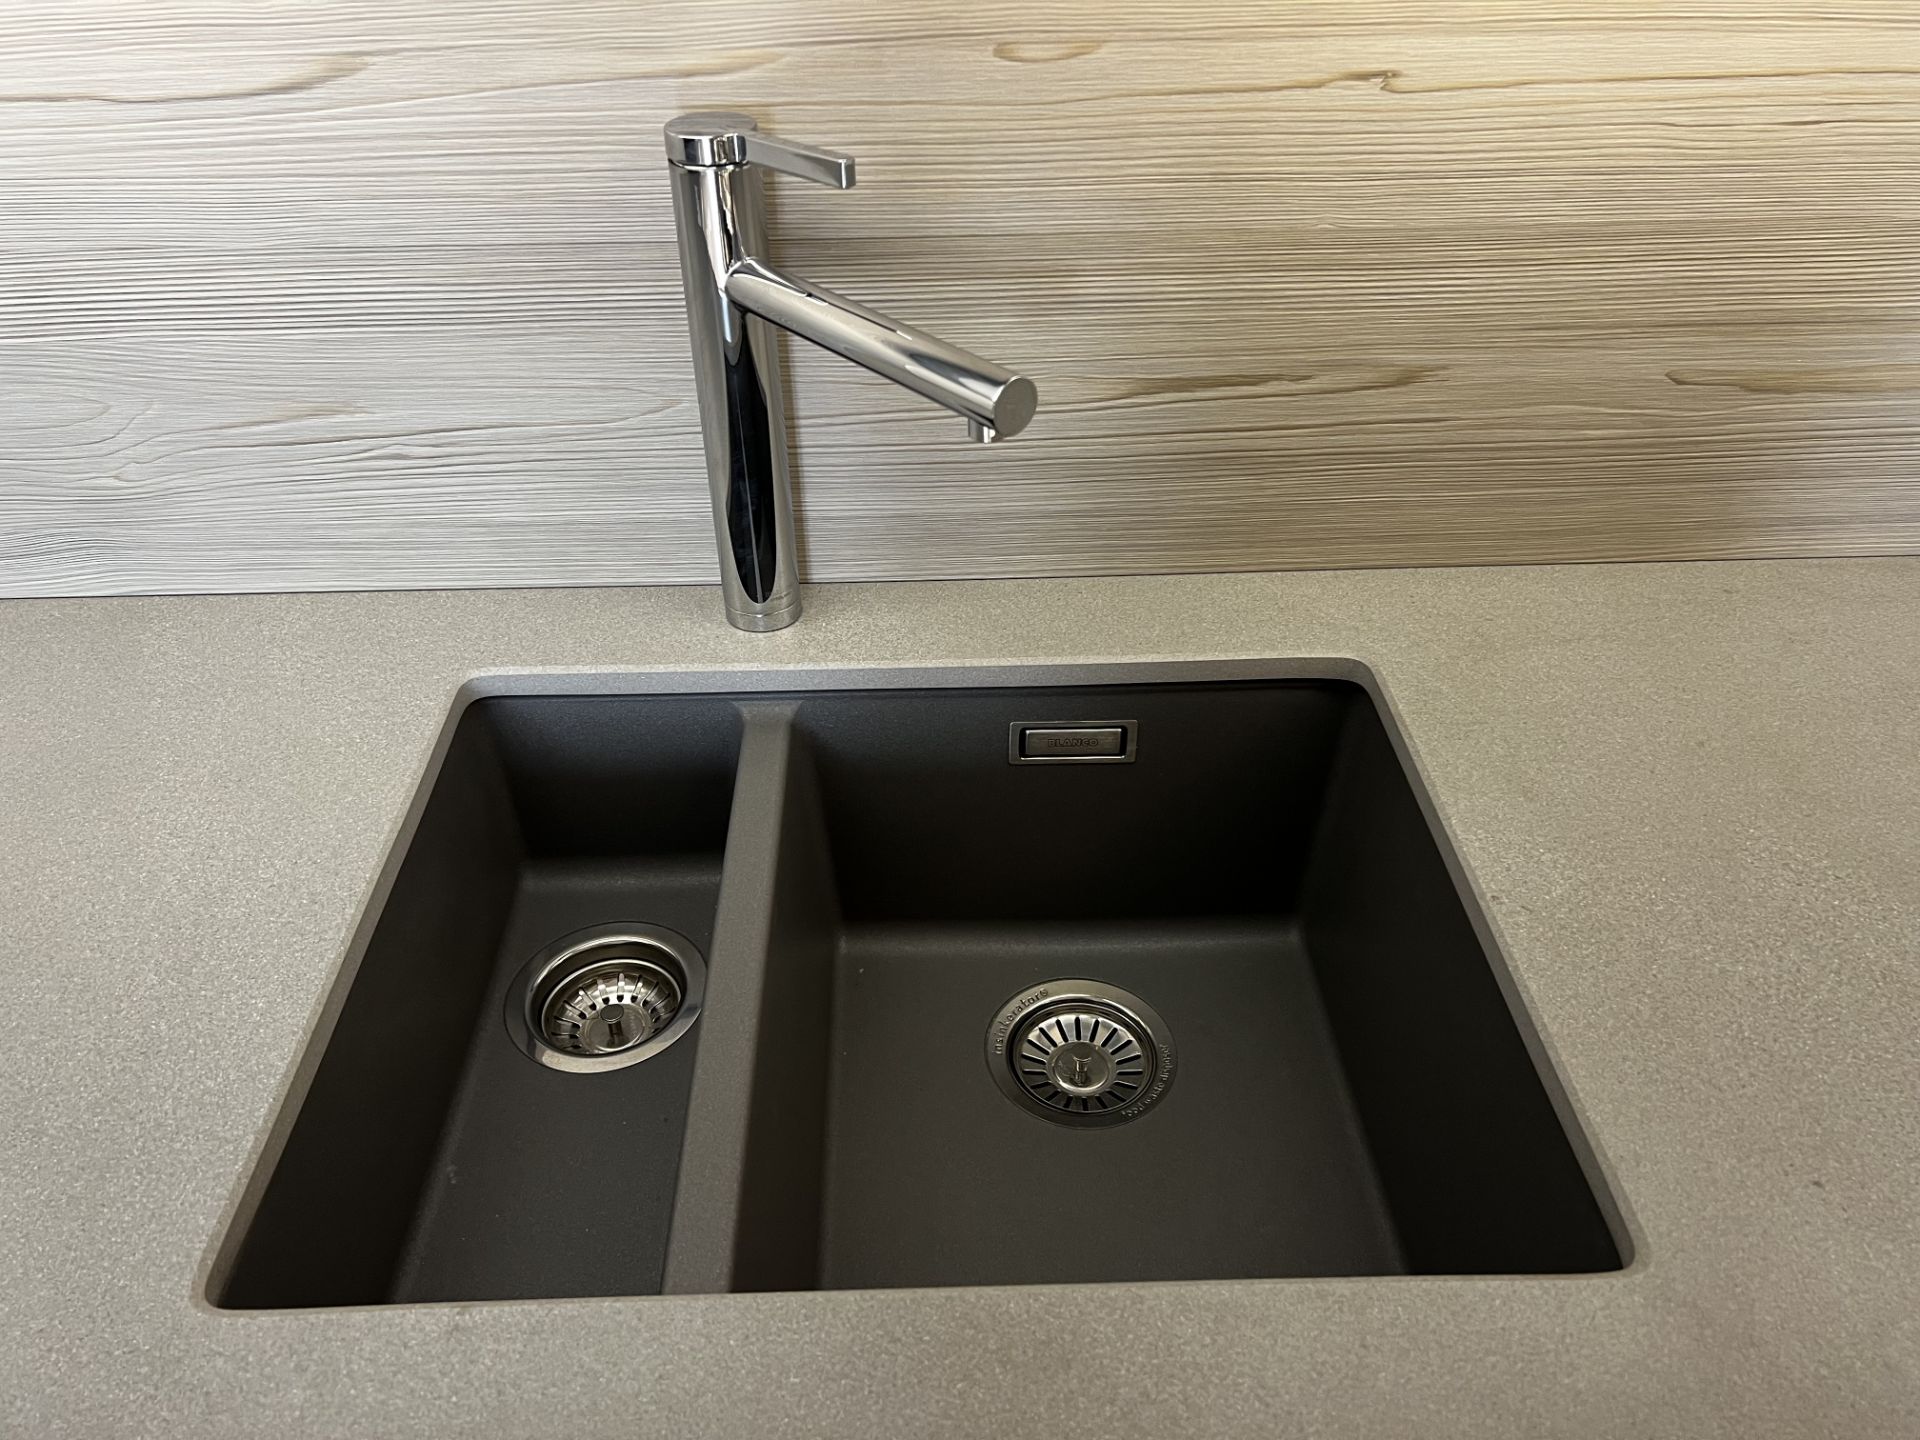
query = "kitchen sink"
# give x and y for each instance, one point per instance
(691, 994)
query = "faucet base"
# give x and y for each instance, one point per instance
(759, 622)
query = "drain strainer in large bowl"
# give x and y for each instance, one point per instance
(1080, 1052)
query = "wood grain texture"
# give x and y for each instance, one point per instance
(331, 294)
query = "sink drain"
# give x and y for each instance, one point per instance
(612, 1007)
(1080, 1052)
(606, 998)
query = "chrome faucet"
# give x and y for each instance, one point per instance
(732, 295)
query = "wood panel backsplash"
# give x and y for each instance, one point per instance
(382, 293)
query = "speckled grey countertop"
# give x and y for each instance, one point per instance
(1690, 795)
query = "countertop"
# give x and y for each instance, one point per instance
(1689, 795)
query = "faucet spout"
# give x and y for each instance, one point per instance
(989, 397)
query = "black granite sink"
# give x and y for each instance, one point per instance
(1334, 1075)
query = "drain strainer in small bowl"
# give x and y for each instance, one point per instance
(612, 1006)
(1080, 1052)
(606, 998)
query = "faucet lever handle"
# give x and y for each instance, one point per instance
(708, 137)
(807, 162)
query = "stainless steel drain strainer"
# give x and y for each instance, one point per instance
(612, 1007)
(1081, 1052)
(606, 998)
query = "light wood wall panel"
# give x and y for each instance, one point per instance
(371, 293)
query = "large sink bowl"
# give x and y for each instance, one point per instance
(985, 1003)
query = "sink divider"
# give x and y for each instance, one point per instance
(747, 1204)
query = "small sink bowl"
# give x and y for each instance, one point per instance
(1215, 1007)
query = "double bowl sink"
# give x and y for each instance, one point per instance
(699, 993)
